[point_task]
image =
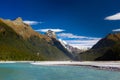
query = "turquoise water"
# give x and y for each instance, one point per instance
(26, 71)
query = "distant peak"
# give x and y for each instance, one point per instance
(19, 19)
(51, 34)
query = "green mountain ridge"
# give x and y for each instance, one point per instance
(19, 42)
(107, 49)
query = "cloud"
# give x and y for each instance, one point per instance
(45, 30)
(70, 35)
(32, 22)
(113, 17)
(116, 30)
(79, 46)
(81, 42)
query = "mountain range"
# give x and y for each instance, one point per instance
(107, 49)
(18, 41)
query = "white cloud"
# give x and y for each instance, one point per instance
(32, 22)
(70, 35)
(45, 30)
(113, 17)
(116, 30)
(81, 42)
(79, 46)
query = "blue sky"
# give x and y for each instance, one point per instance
(78, 22)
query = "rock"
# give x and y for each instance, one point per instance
(50, 34)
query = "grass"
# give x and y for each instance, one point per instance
(14, 47)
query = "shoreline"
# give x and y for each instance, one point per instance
(101, 65)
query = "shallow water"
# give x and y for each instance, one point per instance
(26, 71)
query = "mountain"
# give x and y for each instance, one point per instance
(70, 48)
(51, 34)
(18, 41)
(107, 48)
(73, 50)
(58, 43)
